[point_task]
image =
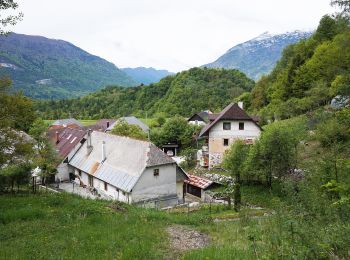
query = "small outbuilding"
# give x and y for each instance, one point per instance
(197, 186)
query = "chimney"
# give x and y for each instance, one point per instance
(240, 104)
(89, 144)
(107, 124)
(103, 151)
(57, 137)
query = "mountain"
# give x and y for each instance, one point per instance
(146, 75)
(309, 74)
(258, 56)
(183, 94)
(48, 68)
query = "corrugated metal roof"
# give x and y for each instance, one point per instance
(198, 181)
(125, 161)
(66, 122)
(131, 120)
(68, 139)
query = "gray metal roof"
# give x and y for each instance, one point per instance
(126, 159)
(67, 122)
(131, 120)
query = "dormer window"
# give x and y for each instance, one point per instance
(241, 126)
(226, 126)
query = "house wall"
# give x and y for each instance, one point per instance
(112, 192)
(150, 186)
(62, 172)
(217, 136)
(197, 122)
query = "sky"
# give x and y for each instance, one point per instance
(173, 35)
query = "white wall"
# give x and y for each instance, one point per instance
(150, 186)
(112, 192)
(63, 172)
(251, 130)
(194, 122)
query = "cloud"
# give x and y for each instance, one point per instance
(174, 35)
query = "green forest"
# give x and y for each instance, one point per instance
(182, 94)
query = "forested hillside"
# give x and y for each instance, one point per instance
(182, 94)
(309, 74)
(47, 68)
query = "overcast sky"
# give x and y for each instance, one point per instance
(164, 34)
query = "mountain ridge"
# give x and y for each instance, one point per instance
(144, 75)
(54, 68)
(258, 56)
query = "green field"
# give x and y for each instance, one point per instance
(56, 226)
(84, 122)
(64, 226)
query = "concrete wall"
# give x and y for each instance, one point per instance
(217, 136)
(112, 192)
(150, 186)
(180, 190)
(63, 172)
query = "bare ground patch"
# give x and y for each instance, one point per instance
(183, 239)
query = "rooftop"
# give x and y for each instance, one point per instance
(198, 181)
(125, 159)
(131, 120)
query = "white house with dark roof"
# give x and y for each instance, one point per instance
(232, 124)
(128, 170)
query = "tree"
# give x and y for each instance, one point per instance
(46, 158)
(234, 161)
(8, 19)
(175, 129)
(124, 129)
(343, 4)
(278, 150)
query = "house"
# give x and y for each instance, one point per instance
(232, 124)
(131, 120)
(201, 118)
(63, 123)
(67, 143)
(128, 170)
(101, 125)
(198, 186)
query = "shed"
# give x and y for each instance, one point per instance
(197, 186)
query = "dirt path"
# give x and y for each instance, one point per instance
(183, 239)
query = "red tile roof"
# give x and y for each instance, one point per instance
(199, 182)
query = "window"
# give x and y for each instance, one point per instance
(225, 142)
(226, 126)
(80, 173)
(106, 186)
(156, 172)
(241, 126)
(91, 181)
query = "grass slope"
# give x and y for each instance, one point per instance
(51, 226)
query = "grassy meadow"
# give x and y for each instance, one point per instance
(64, 226)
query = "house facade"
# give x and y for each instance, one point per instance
(128, 170)
(232, 124)
(67, 144)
